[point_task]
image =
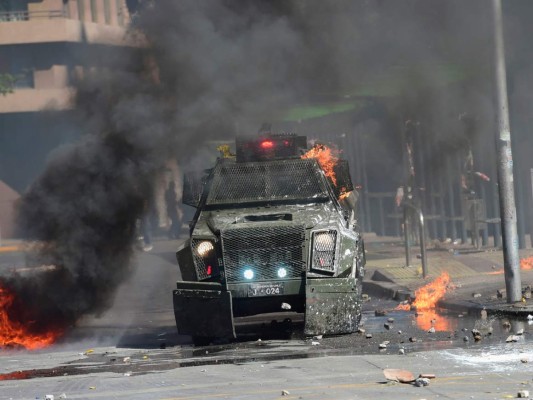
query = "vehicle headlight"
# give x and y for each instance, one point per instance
(204, 248)
(323, 251)
(324, 241)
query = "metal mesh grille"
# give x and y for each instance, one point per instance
(266, 181)
(264, 250)
(201, 262)
(324, 244)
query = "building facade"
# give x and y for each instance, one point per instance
(45, 45)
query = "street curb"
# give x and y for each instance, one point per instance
(389, 290)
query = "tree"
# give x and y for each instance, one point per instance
(7, 82)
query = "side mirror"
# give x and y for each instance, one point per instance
(344, 180)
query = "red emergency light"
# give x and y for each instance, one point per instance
(267, 144)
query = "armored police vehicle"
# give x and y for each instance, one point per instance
(274, 229)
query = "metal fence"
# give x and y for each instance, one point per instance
(12, 16)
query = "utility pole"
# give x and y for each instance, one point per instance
(511, 260)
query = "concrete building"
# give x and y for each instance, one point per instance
(45, 44)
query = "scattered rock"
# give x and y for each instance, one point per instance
(398, 375)
(365, 297)
(421, 382)
(285, 306)
(413, 339)
(318, 337)
(524, 360)
(530, 317)
(401, 351)
(361, 330)
(127, 373)
(512, 338)
(49, 397)
(285, 393)
(431, 330)
(466, 339)
(399, 332)
(126, 359)
(387, 326)
(390, 319)
(524, 394)
(313, 343)
(62, 396)
(382, 345)
(520, 332)
(483, 314)
(476, 295)
(380, 313)
(368, 336)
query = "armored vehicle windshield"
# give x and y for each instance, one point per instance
(292, 180)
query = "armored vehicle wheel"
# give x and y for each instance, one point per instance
(202, 340)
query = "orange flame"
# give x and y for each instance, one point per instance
(14, 333)
(426, 299)
(327, 159)
(526, 264)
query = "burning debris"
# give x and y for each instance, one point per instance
(426, 299)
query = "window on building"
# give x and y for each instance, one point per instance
(94, 12)
(107, 11)
(81, 10)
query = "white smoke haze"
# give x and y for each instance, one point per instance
(216, 69)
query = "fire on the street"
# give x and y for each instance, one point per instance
(526, 264)
(15, 334)
(426, 299)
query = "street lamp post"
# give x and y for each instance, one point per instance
(511, 259)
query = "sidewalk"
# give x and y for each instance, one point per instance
(476, 274)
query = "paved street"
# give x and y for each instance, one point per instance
(133, 351)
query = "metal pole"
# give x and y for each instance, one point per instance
(407, 244)
(511, 261)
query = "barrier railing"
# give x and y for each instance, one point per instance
(422, 236)
(12, 16)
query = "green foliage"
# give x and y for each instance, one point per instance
(7, 82)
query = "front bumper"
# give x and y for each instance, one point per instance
(205, 309)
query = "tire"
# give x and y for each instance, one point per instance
(201, 340)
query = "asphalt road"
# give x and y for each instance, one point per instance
(133, 351)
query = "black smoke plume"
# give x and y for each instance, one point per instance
(204, 70)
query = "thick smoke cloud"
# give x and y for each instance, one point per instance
(208, 70)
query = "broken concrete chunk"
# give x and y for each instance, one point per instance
(398, 375)
(390, 320)
(431, 330)
(401, 351)
(520, 331)
(413, 339)
(421, 382)
(361, 330)
(512, 338)
(524, 394)
(476, 295)
(368, 336)
(285, 393)
(387, 326)
(383, 345)
(524, 360)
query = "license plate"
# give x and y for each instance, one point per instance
(265, 289)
